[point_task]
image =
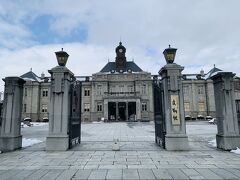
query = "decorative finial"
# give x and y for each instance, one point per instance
(31, 69)
(62, 49)
(169, 46)
(120, 43)
(214, 65)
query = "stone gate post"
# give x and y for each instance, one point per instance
(59, 106)
(176, 138)
(59, 110)
(227, 124)
(10, 137)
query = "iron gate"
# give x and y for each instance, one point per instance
(159, 119)
(75, 114)
(1, 112)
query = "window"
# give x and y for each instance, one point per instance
(44, 108)
(201, 106)
(185, 90)
(200, 89)
(121, 88)
(99, 90)
(238, 106)
(130, 88)
(86, 107)
(186, 106)
(25, 108)
(45, 92)
(144, 89)
(25, 91)
(144, 106)
(99, 107)
(237, 85)
(112, 88)
(86, 92)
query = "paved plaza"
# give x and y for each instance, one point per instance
(139, 157)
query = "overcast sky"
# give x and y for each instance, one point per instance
(206, 32)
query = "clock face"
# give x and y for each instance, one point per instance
(120, 50)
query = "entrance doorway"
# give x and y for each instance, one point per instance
(112, 111)
(132, 111)
(122, 111)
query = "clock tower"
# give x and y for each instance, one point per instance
(120, 57)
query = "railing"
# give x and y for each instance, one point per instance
(121, 94)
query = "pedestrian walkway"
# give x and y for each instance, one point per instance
(146, 161)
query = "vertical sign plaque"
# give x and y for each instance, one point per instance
(175, 110)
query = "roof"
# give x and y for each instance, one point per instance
(130, 65)
(30, 76)
(212, 71)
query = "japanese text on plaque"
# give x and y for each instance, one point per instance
(175, 110)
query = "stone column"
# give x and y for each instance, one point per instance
(138, 109)
(10, 137)
(59, 110)
(126, 111)
(176, 138)
(228, 131)
(117, 111)
(105, 110)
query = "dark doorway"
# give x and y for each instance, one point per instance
(112, 111)
(122, 111)
(131, 111)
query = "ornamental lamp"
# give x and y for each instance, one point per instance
(62, 57)
(169, 54)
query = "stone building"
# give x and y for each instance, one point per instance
(35, 96)
(121, 90)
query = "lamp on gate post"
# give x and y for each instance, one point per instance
(169, 54)
(62, 57)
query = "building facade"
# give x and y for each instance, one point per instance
(122, 91)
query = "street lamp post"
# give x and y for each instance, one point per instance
(176, 138)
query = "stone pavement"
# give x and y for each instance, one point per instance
(128, 163)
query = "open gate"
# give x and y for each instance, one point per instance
(159, 119)
(74, 127)
(1, 112)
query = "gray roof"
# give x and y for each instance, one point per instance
(30, 76)
(130, 65)
(212, 71)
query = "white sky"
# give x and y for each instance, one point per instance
(205, 32)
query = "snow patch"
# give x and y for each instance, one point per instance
(23, 125)
(237, 151)
(213, 143)
(29, 142)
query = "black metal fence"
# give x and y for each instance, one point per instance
(160, 127)
(75, 114)
(1, 113)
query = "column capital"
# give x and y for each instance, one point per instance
(168, 67)
(221, 76)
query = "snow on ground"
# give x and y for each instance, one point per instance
(29, 142)
(237, 151)
(213, 143)
(23, 125)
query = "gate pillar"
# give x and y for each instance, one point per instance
(176, 138)
(227, 124)
(59, 110)
(10, 137)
